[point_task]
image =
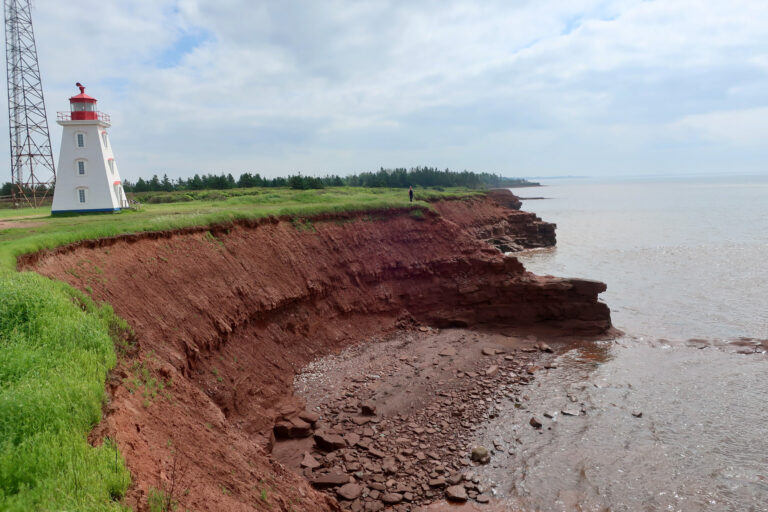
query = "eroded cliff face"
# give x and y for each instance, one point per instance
(225, 317)
(498, 220)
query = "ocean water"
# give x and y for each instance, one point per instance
(687, 274)
(683, 258)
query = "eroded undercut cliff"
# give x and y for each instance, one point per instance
(225, 316)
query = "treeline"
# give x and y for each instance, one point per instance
(392, 178)
(7, 189)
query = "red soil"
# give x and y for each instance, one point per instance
(225, 318)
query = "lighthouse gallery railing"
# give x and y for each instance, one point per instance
(83, 116)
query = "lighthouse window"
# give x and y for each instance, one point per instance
(81, 195)
(81, 140)
(104, 138)
(83, 107)
(112, 165)
(81, 167)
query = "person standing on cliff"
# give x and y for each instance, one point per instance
(410, 193)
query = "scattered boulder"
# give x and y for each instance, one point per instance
(352, 438)
(571, 411)
(368, 409)
(437, 482)
(309, 417)
(448, 352)
(492, 370)
(480, 454)
(489, 351)
(349, 491)
(637, 414)
(456, 493)
(309, 461)
(389, 466)
(392, 498)
(292, 428)
(483, 498)
(329, 442)
(329, 480)
(544, 347)
(534, 422)
(454, 479)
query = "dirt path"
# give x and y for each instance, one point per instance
(397, 417)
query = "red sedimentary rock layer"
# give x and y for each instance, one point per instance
(225, 317)
(499, 221)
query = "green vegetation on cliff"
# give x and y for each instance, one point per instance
(55, 351)
(56, 346)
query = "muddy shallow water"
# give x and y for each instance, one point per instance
(683, 259)
(693, 446)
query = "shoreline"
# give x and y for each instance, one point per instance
(427, 394)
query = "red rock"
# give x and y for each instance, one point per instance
(368, 409)
(361, 420)
(292, 429)
(456, 493)
(437, 482)
(392, 498)
(329, 442)
(377, 453)
(492, 370)
(535, 423)
(309, 461)
(389, 466)
(349, 491)
(329, 480)
(309, 417)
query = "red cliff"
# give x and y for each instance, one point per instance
(225, 316)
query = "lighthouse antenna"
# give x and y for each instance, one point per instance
(33, 173)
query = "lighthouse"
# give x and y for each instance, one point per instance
(87, 179)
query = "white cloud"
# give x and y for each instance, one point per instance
(741, 128)
(529, 87)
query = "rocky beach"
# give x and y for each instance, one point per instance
(395, 421)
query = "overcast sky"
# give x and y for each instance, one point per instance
(524, 88)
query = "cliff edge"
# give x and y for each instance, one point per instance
(225, 316)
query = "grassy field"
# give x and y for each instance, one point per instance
(56, 346)
(38, 230)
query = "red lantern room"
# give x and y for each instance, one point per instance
(82, 106)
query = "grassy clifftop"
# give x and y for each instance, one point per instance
(20, 234)
(56, 345)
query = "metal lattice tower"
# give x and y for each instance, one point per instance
(32, 170)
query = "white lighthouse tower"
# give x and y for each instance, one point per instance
(87, 179)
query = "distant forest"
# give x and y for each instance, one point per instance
(392, 178)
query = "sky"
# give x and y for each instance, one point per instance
(517, 87)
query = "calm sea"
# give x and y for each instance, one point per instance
(683, 258)
(687, 274)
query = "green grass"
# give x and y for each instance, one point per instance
(56, 345)
(55, 351)
(29, 235)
